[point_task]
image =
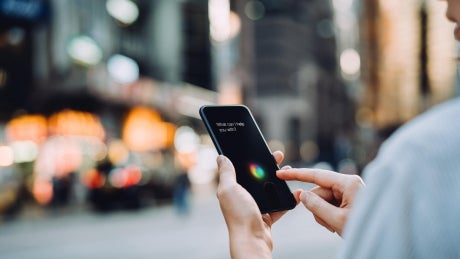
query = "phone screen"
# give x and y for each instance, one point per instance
(237, 136)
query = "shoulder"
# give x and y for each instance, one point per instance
(403, 213)
(439, 119)
(432, 135)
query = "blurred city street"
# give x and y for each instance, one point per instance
(154, 232)
(101, 135)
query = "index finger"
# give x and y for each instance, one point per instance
(321, 177)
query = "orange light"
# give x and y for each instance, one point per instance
(27, 127)
(144, 130)
(76, 123)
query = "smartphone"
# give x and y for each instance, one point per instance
(236, 135)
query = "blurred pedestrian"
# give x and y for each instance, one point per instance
(181, 192)
(409, 208)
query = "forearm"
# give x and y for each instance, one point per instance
(250, 245)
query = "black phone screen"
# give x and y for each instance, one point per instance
(237, 136)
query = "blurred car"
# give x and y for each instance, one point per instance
(123, 187)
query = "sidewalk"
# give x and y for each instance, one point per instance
(155, 232)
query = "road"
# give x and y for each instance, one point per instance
(154, 232)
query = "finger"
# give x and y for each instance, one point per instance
(320, 177)
(327, 213)
(286, 167)
(279, 157)
(324, 193)
(296, 194)
(322, 223)
(226, 170)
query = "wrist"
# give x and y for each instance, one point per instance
(247, 243)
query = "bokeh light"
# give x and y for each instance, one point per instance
(24, 151)
(186, 140)
(125, 177)
(6, 156)
(118, 152)
(42, 191)
(124, 11)
(122, 69)
(144, 130)
(350, 62)
(27, 127)
(84, 50)
(254, 10)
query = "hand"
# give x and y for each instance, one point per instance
(331, 201)
(249, 231)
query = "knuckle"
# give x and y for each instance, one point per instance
(342, 216)
(223, 191)
(355, 180)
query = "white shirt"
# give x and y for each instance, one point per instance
(410, 207)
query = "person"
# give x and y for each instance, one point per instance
(181, 192)
(408, 208)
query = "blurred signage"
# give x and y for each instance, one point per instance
(29, 10)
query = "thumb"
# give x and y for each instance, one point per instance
(226, 169)
(323, 211)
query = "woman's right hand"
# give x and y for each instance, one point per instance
(331, 200)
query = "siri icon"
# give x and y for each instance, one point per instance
(257, 171)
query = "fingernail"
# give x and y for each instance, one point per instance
(304, 196)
